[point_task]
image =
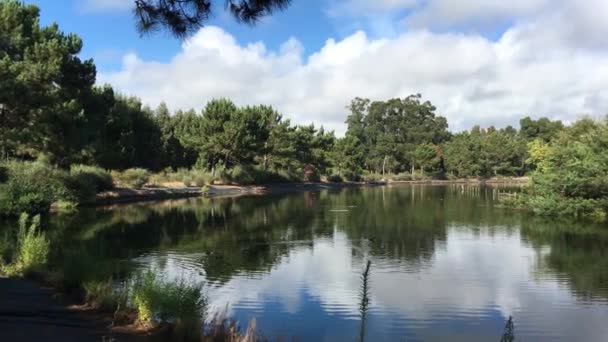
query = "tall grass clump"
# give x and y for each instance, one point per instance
(102, 295)
(134, 178)
(32, 248)
(158, 300)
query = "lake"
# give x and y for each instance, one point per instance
(445, 262)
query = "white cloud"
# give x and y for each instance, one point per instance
(106, 5)
(539, 66)
(473, 274)
(449, 13)
(366, 7)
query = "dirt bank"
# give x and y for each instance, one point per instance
(175, 191)
(161, 193)
(29, 312)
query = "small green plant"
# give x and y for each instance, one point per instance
(134, 178)
(33, 245)
(100, 294)
(32, 248)
(145, 292)
(205, 190)
(65, 207)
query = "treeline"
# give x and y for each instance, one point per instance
(50, 108)
(406, 135)
(51, 111)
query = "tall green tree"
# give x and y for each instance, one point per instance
(43, 86)
(572, 177)
(543, 128)
(172, 152)
(389, 131)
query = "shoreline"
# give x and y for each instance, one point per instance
(123, 195)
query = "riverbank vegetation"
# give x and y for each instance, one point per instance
(174, 310)
(63, 138)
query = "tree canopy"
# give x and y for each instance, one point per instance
(182, 17)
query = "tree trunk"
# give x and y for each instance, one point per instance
(383, 164)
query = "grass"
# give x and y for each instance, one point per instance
(158, 300)
(32, 249)
(102, 295)
(134, 178)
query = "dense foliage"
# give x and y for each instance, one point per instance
(182, 17)
(51, 112)
(572, 172)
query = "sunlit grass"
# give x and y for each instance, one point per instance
(32, 249)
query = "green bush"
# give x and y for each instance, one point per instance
(85, 182)
(32, 187)
(438, 175)
(248, 175)
(404, 176)
(134, 178)
(352, 176)
(335, 178)
(373, 177)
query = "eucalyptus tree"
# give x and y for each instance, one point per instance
(390, 131)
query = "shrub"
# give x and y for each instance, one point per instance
(87, 181)
(438, 175)
(404, 176)
(372, 177)
(198, 178)
(32, 187)
(248, 175)
(134, 178)
(352, 176)
(335, 178)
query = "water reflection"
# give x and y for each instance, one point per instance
(446, 262)
(364, 306)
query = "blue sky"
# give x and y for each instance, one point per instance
(108, 33)
(479, 62)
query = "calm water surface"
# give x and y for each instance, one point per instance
(446, 264)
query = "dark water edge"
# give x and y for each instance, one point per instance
(445, 262)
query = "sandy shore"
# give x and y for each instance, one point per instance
(161, 193)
